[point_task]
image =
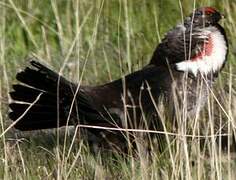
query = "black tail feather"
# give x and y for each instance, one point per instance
(56, 96)
(27, 94)
(43, 78)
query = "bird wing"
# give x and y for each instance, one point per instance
(135, 93)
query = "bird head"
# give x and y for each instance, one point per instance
(205, 16)
(210, 55)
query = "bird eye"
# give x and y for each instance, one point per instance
(198, 13)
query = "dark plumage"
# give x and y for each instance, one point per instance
(129, 102)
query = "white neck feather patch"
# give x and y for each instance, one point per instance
(207, 62)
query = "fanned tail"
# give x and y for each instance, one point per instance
(44, 100)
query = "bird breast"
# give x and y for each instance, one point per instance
(211, 57)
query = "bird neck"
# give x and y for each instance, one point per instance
(212, 56)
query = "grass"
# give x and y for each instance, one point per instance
(94, 42)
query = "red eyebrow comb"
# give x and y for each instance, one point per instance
(209, 10)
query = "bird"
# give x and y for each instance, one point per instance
(190, 56)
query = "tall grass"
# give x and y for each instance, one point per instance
(92, 42)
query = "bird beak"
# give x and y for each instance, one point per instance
(222, 16)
